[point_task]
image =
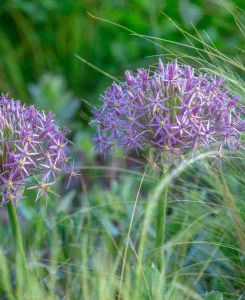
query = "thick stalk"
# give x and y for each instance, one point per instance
(160, 229)
(15, 226)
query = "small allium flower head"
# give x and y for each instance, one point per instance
(174, 111)
(33, 150)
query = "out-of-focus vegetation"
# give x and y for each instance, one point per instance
(76, 249)
(76, 243)
(43, 36)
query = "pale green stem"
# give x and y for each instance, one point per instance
(160, 239)
(15, 226)
(160, 229)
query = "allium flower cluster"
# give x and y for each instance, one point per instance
(172, 110)
(33, 150)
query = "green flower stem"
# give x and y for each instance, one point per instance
(160, 229)
(15, 226)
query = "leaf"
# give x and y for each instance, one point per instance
(214, 296)
(189, 12)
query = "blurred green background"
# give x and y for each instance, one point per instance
(39, 40)
(75, 242)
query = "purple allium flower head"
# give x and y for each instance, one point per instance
(173, 110)
(33, 150)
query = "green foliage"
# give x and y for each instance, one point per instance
(38, 37)
(86, 243)
(51, 95)
(78, 241)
